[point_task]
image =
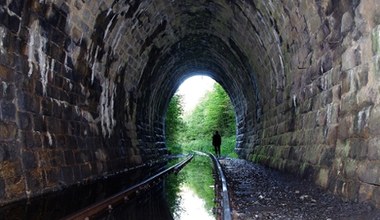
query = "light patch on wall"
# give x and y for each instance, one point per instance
(294, 101)
(5, 87)
(91, 121)
(2, 37)
(52, 66)
(117, 38)
(376, 40)
(36, 54)
(94, 64)
(363, 117)
(31, 57)
(50, 139)
(329, 113)
(67, 68)
(353, 81)
(11, 13)
(44, 66)
(106, 106)
(281, 79)
(108, 83)
(109, 25)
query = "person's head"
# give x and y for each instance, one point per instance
(216, 132)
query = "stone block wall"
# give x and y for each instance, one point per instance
(58, 122)
(323, 123)
(84, 86)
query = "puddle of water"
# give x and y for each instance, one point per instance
(189, 193)
(191, 206)
(57, 205)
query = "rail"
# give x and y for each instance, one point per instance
(225, 201)
(108, 204)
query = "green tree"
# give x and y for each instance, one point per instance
(219, 112)
(214, 112)
(174, 123)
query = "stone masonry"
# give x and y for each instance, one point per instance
(84, 86)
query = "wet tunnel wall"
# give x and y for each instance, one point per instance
(85, 85)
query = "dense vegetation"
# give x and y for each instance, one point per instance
(174, 122)
(193, 132)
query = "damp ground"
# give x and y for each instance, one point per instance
(257, 192)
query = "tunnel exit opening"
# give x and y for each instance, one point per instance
(200, 107)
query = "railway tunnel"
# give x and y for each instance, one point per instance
(85, 86)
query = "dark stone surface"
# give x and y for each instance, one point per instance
(358, 148)
(7, 131)
(29, 160)
(3, 153)
(8, 111)
(24, 121)
(2, 188)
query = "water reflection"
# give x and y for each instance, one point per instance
(190, 193)
(57, 205)
(150, 206)
(191, 206)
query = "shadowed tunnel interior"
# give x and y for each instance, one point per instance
(85, 86)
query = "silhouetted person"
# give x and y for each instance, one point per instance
(216, 142)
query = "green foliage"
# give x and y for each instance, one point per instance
(198, 144)
(174, 124)
(229, 147)
(214, 112)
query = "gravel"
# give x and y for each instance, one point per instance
(257, 192)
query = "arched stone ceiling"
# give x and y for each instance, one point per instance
(264, 53)
(96, 77)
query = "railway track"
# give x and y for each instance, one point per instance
(108, 204)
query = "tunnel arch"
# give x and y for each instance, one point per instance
(210, 55)
(85, 83)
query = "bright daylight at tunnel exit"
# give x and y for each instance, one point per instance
(199, 107)
(92, 126)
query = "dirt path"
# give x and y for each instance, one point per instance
(257, 192)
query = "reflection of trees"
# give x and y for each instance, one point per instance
(197, 175)
(172, 190)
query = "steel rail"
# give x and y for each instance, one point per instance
(225, 201)
(226, 213)
(109, 203)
